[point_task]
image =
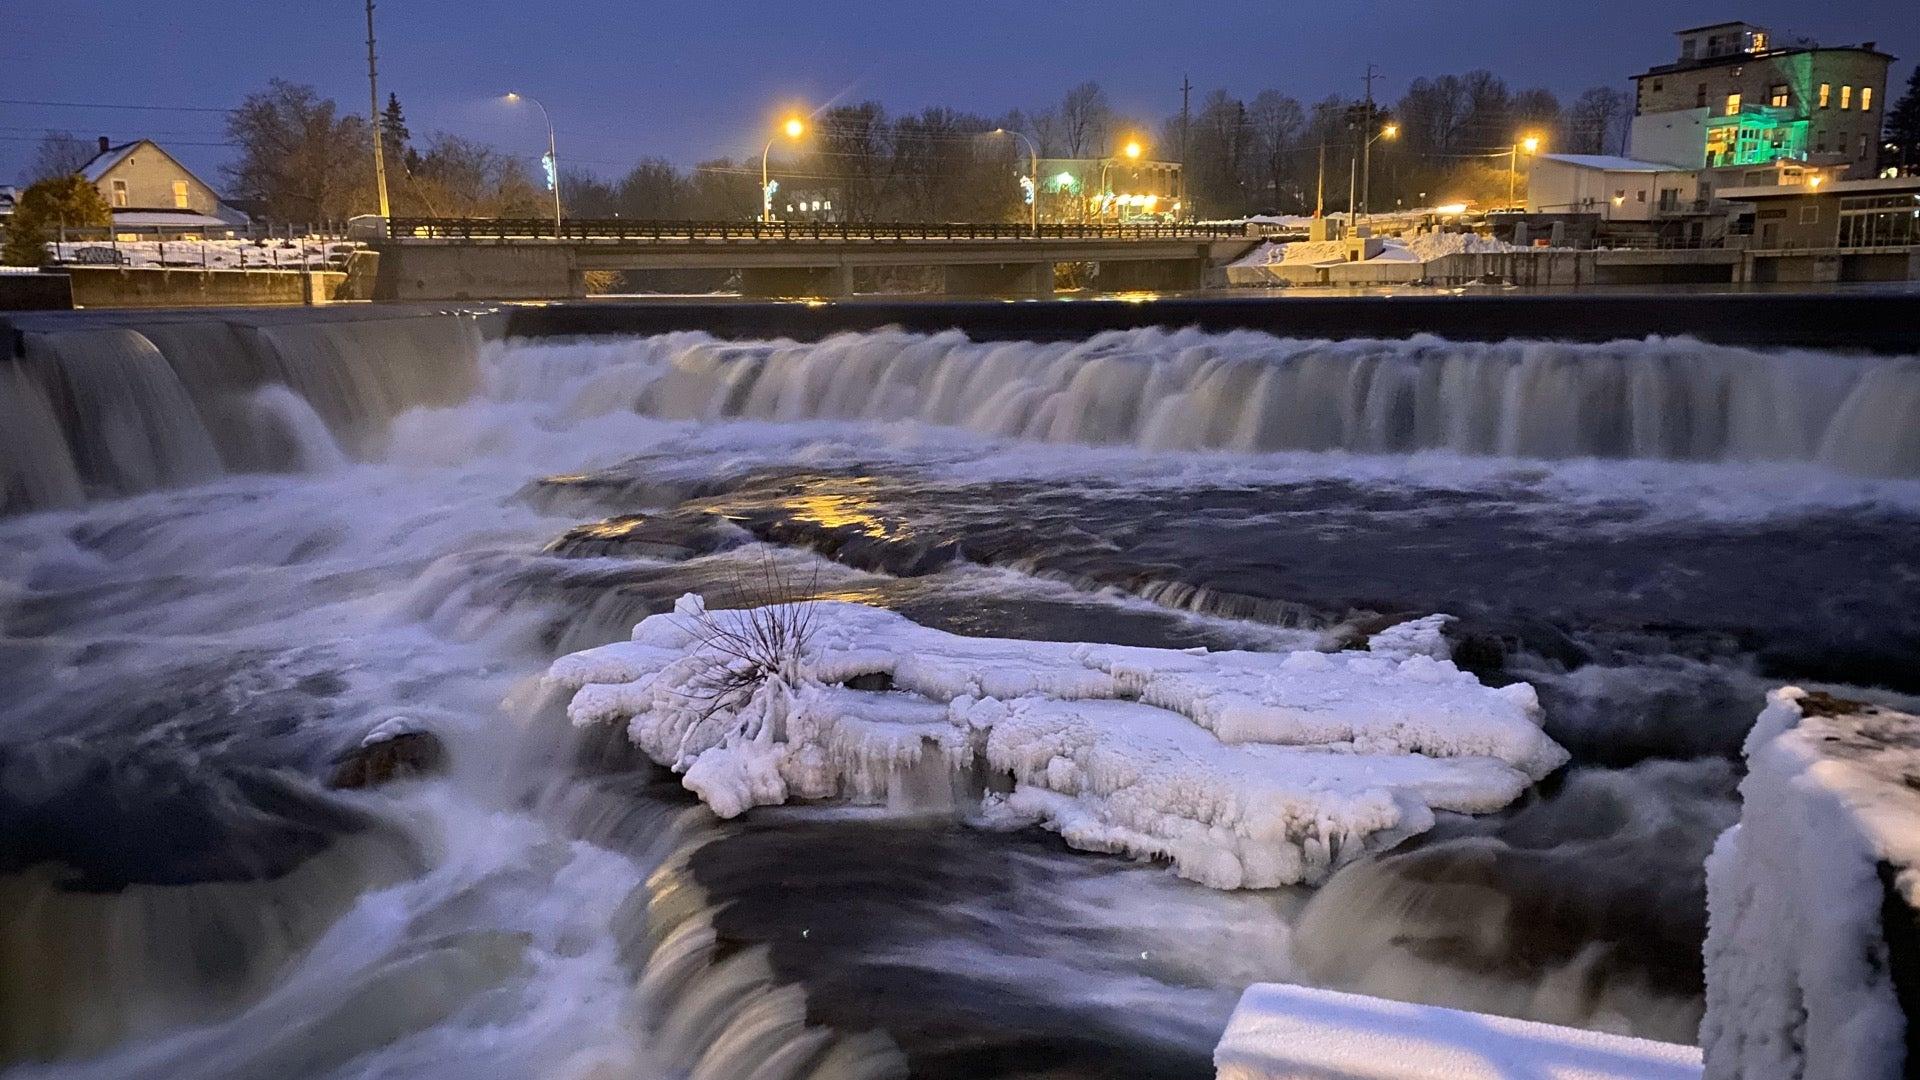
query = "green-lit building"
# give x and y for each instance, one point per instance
(1738, 99)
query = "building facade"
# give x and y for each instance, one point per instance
(1737, 97)
(1614, 188)
(1109, 190)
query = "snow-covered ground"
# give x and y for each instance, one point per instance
(1245, 770)
(1425, 247)
(313, 253)
(1297, 1033)
(1799, 980)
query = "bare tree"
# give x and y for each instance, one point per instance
(458, 177)
(299, 155)
(1597, 123)
(60, 153)
(1277, 122)
(1084, 119)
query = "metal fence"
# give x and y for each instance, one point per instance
(635, 230)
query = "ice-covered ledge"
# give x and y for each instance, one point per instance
(1297, 1033)
(1811, 955)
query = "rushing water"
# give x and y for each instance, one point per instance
(234, 547)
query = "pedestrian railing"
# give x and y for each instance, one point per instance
(635, 230)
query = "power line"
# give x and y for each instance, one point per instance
(102, 105)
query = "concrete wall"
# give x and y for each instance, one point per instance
(478, 272)
(150, 174)
(114, 286)
(35, 292)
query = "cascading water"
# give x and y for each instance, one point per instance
(1668, 400)
(235, 547)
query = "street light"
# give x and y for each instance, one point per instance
(1133, 151)
(553, 155)
(1033, 178)
(792, 129)
(1389, 131)
(1530, 143)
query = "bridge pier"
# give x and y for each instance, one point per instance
(1152, 275)
(477, 272)
(999, 279)
(784, 282)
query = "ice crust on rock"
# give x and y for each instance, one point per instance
(1243, 769)
(1799, 976)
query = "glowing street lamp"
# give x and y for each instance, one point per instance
(1033, 178)
(1529, 143)
(794, 128)
(552, 160)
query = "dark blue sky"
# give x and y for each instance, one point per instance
(689, 79)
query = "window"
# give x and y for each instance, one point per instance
(1866, 98)
(1687, 48)
(1826, 94)
(1810, 214)
(1657, 85)
(1640, 195)
(119, 193)
(1846, 97)
(1700, 97)
(180, 194)
(1863, 146)
(1777, 96)
(1759, 41)
(1733, 104)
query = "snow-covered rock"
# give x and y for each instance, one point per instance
(1811, 897)
(1283, 1032)
(1245, 770)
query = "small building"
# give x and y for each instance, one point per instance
(1847, 215)
(1737, 96)
(9, 198)
(152, 195)
(1109, 190)
(1617, 189)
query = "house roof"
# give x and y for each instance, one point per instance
(1899, 185)
(102, 162)
(1719, 25)
(170, 219)
(1611, 163)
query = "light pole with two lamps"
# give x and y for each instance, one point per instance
(553, 155)
(792, 129)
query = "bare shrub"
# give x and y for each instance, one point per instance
(761, 635)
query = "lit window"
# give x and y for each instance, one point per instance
(1826, 94)
(119, 193)
(1846, 97)
(1733, 104)
(1759, 41)
(1777, 97)
(180, 194)
(1866, 98)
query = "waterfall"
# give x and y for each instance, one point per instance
(122, 408)
(1184, 390)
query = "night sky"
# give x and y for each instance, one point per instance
(692, 79)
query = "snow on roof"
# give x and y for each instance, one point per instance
(106, 159)
(179, 219)
(1610, 163)
(1294, 1031)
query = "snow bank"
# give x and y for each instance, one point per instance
(1423, 248)
(1245, 770)
(1800, 980)
(1296, 1033)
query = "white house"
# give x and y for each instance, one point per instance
(1616, 188)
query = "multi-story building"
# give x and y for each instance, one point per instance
(1738, 98)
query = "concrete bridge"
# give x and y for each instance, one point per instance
(506, 259)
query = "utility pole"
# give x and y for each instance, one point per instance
(373, 114)
(1366, 136)
(1186, 89)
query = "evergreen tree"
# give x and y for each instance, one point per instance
(1903, 128)
(393, 124)
(44, 209)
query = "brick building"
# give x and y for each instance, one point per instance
(1737, 97)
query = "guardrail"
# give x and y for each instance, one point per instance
(634, 230)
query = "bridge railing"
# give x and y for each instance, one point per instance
(628, 229)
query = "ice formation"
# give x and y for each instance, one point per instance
(1291, 1032)
(1799, 977)
(1244, 770)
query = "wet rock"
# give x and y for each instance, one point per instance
(877, 681)
(648, 536)
(388, 754)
